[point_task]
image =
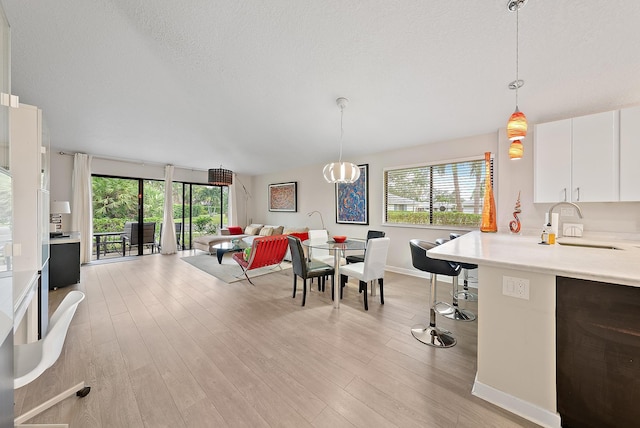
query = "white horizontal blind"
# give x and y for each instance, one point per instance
(449, 194)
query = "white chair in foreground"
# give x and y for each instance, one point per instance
(32, 359)
(375, 260)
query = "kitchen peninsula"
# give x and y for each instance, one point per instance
(527, 321)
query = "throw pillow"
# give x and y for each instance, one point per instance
(253, 229)
(247, 254)
(266, 231)
(303, 236)
(235, 230)
(290, 230)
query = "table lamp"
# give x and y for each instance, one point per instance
(57, 209)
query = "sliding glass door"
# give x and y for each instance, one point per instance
(120, 202)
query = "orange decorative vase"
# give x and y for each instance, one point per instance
(489, 221)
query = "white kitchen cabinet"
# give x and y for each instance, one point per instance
(594, 157)
(577, 159)
(630, 154)
(552, 159)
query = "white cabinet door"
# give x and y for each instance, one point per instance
(552, 161)
(630, 154)
(594, 158)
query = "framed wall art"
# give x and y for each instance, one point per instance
(283, 197)
(352, 199)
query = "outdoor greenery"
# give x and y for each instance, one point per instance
(447, 194)
(115, 202)
(444, 218)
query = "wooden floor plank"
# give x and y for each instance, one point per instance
(165, 344)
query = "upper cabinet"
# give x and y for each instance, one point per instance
(552, 158)
(594, 158)
(578, 160)
(31, 200)
(629, 154)
(5, 90)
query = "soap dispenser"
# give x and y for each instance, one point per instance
(548, 236)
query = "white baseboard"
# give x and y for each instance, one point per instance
(515, 405)
(427, 276)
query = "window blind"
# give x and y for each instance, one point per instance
(448, 194)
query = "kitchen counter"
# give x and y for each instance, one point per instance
(517, 361)
(619, 266)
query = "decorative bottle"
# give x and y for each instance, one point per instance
(514, 225)
(489, 221)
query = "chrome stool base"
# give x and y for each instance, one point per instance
(460, 315)
(433, 336)
(443, 308)
(467, 295)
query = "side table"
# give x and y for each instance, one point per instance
(229, 247)
(64, 260)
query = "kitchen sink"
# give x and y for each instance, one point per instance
(585, 245)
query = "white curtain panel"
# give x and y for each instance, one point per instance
(168, 242)
(81, 210)
(233, 202)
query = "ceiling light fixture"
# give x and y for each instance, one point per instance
(220, 177)
(341, 172)
(517, 125)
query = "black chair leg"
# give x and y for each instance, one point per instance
(363, 287)
(295, 285)
(304, 291)
(343, 283)
(380, 281)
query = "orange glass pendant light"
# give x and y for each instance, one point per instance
(516, 150)
(489, 218)
(517, 124)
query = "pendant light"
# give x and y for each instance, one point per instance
(220, 177)
(517, 125)
(341, 172)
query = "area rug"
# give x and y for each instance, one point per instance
(229, 271)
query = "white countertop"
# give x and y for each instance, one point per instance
(620, 266)
(71, 238)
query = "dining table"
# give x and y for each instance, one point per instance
(339, 250)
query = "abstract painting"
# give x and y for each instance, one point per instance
(352, 199)
(283, 197)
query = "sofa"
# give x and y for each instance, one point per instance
(206, 243)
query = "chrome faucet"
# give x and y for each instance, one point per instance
(564, 203)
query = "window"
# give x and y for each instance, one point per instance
(449, 194)
(197, 209)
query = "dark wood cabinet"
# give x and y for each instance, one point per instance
(64, 263)
(598, 353)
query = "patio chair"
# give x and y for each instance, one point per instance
(265, 251)
(130, 235)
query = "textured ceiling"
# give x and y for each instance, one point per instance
(252, 84)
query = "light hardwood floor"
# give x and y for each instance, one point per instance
(163, 344)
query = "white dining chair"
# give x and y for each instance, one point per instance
(32, 359)
(321, 255)
(375, 260)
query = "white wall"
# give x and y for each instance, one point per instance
(621, 220)
(62, 173)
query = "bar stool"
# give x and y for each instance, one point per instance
(432, 335)
(465, 294)
(453, 311)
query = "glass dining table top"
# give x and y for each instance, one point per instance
(348, 245)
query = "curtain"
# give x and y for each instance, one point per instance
(233, 203)
(168, 243)
(82, 209)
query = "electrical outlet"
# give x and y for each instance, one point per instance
(567, 212)
(515, 287)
